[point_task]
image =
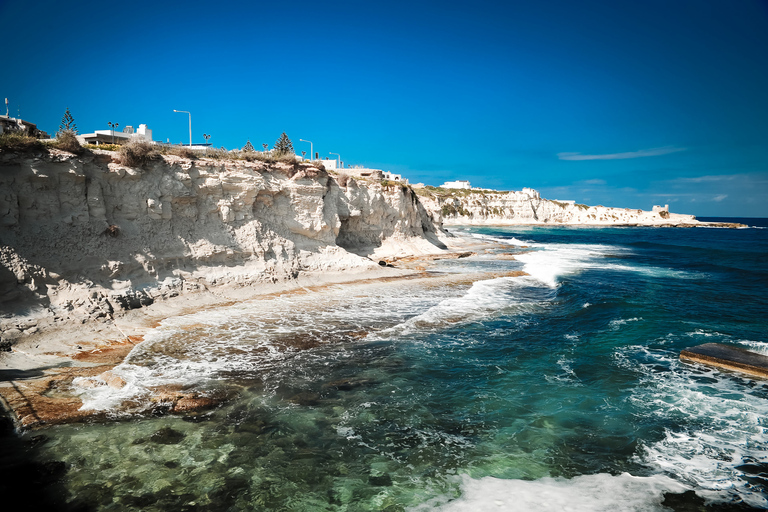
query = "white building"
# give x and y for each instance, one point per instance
(456, 184)
(11, 124)
(395, 177)
(115, 137)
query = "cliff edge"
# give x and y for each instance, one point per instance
(82, 237)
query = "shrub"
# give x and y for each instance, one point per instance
(104, 147)
(218, 154)
(181, 151)
(19, 142)
(66, 140)
(138, 153)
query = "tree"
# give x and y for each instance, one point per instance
(283, 145)
(249, 147)
(68, 123)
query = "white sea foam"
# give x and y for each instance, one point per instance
(251, 337)
(588, 493)
(552, 261)
(616, 324)
(723, 420)
(508, 241)
(483, 300)
(755, 346)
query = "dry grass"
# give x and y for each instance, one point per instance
(138, 153)
(19, 142)
(181, 151)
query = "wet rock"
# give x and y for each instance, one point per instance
(383, 480)
(11, 334)
(306, 399)
(112, 380)
(38, 440)
(167, 435)
(348, 384)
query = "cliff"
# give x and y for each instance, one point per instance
(461, 206)
(81, 237)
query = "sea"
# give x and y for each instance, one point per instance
(541, 374)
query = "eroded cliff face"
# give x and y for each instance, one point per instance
(83, 236)
(509, 208)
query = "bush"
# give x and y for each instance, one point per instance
(138, 153)
(19, 142)
(181, 151)
(103, 147)
(66, 140)
(218, 154)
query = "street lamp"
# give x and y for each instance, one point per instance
(311, 149)
(338, 155)
(206, 137)
(113, 126)
(190, 124)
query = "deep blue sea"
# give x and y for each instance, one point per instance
(557, 390)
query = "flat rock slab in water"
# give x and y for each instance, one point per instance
(728, 357)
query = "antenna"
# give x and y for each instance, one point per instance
(6, 108)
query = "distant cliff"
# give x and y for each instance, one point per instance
(83, 236)
(463, 206)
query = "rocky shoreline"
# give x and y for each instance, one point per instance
(94, 253)
(38, 372)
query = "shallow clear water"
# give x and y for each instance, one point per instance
(561, 388)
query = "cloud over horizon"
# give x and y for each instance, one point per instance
(622, 156)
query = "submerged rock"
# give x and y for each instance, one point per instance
(167, 435)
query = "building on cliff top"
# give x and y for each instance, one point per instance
(365, 172)
(463, 184)
(11, 124)
(114, 137)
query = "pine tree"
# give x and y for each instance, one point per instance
(249, 147)
(68, 123)
(283, 145)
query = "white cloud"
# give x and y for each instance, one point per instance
(720, 197)
(593, 182)
(707, 179)
(621, 156)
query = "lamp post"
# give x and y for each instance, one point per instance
(113, 126)
(190, 124)
(311, 149)
(338, 155)
(206, 137)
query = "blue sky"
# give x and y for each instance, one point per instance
(625, 104)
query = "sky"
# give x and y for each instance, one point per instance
(625, 104)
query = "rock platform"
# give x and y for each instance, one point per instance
(727, 357)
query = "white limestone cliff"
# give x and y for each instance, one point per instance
(526, 207)
(83, 236)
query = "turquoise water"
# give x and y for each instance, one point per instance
(558, 389)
